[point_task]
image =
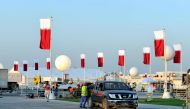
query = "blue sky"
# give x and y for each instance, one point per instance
(90, 26)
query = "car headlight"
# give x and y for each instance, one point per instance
(112, 96)
(130, 96)
(135, 96)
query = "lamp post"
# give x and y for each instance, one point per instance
(169, 54)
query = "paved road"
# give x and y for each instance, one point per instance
(13, 102)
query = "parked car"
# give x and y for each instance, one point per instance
(65, 86)
(112, 93)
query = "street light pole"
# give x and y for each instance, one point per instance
(166, 94)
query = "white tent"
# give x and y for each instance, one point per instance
(148, 80)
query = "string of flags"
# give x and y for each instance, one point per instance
(100, 59)
(36, 65)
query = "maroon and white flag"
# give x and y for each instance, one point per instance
(25, 65)
(159, 43)
(15, 65)
(45, 33)
(100, 59)
(121, 60)
(177, 57)
(48, 63)
(36, 65)
(146, 54)
(82, 60)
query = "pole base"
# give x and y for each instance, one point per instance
(51, 95)
(166, 95)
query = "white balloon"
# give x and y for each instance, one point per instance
(1, 66)
(169, 53)
(62, 63)
(133, 71)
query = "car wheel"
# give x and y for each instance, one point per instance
(90, 103)
(105, 104)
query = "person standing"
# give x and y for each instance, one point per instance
(56, 89)
(128, 84)
(47, 90)
(84, 93)
(149, 92)
(142, 88)
(171, 90)
(133, 86)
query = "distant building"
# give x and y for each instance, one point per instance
(173, 77)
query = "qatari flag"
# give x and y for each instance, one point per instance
(36, 65)
(121, 60)
(45, 33)
(48, 63)
(100, 59)
(146, 54)
(159, 43)
(15, 65)
(177, 57)
(25, 65)
(82, 60)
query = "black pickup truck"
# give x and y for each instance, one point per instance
(112, 93)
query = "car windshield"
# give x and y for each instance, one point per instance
(116, 86)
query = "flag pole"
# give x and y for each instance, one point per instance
(51, 95)
(181, 65)
(37, 74)
(124, 71)
(150, 66)
(21, 86)
(165, 94)
(50, 54)
(181, 70)
(27, 82)
(165, 79)
(85, 69)
(102, 74)
(120, 72)
(21, 92)
(99, 73)
(38, 85)
(26, 77)
(149, 70)
(100, 68)
(84, 75)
